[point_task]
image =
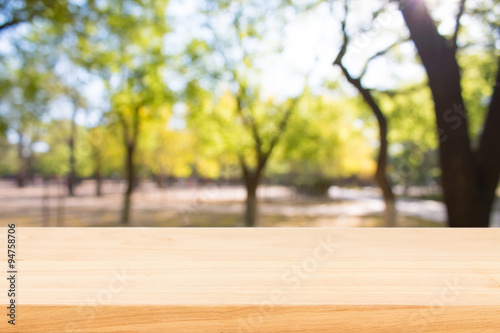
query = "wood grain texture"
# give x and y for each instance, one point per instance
(254, 280)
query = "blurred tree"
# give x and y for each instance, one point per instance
(122, 42)
(229, 53)
(381, 173)
(77, 102)
(246, 128)
(323, 144)
(43, 39)
(96, 137)
(469, 176)
(25, 93)
(54, 162)
(266, 133)
(8, 157)
(143, 97)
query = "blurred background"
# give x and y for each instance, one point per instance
(269, 113)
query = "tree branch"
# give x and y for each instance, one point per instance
(16, 19)
(379, 54)
(343, 48)
(136, 123)
(281, 129)
(380, 175)
(124, 124)
(244, 167)
(461, 10)
(250, 122)
(11, 23)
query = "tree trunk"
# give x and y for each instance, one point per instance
(468, 178)
(380, 175)
(45, 202)
(98, 185)
(130, 177)
(251, 211)
(160, 179)
(21, 171)
(390, 212)
(71, 174)
(488, 154)
(29, 167)
(98, 177)
(389, 199)
(72, 161)
(60, 202)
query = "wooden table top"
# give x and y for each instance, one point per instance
(253, 280)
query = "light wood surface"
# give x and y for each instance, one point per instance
(254, 280)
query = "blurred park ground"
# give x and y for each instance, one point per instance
(211, 205)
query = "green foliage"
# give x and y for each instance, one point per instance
(24, 91)
(14, 12)
(8, 158)
(122, 45)
(323, 143)
(478, 80)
